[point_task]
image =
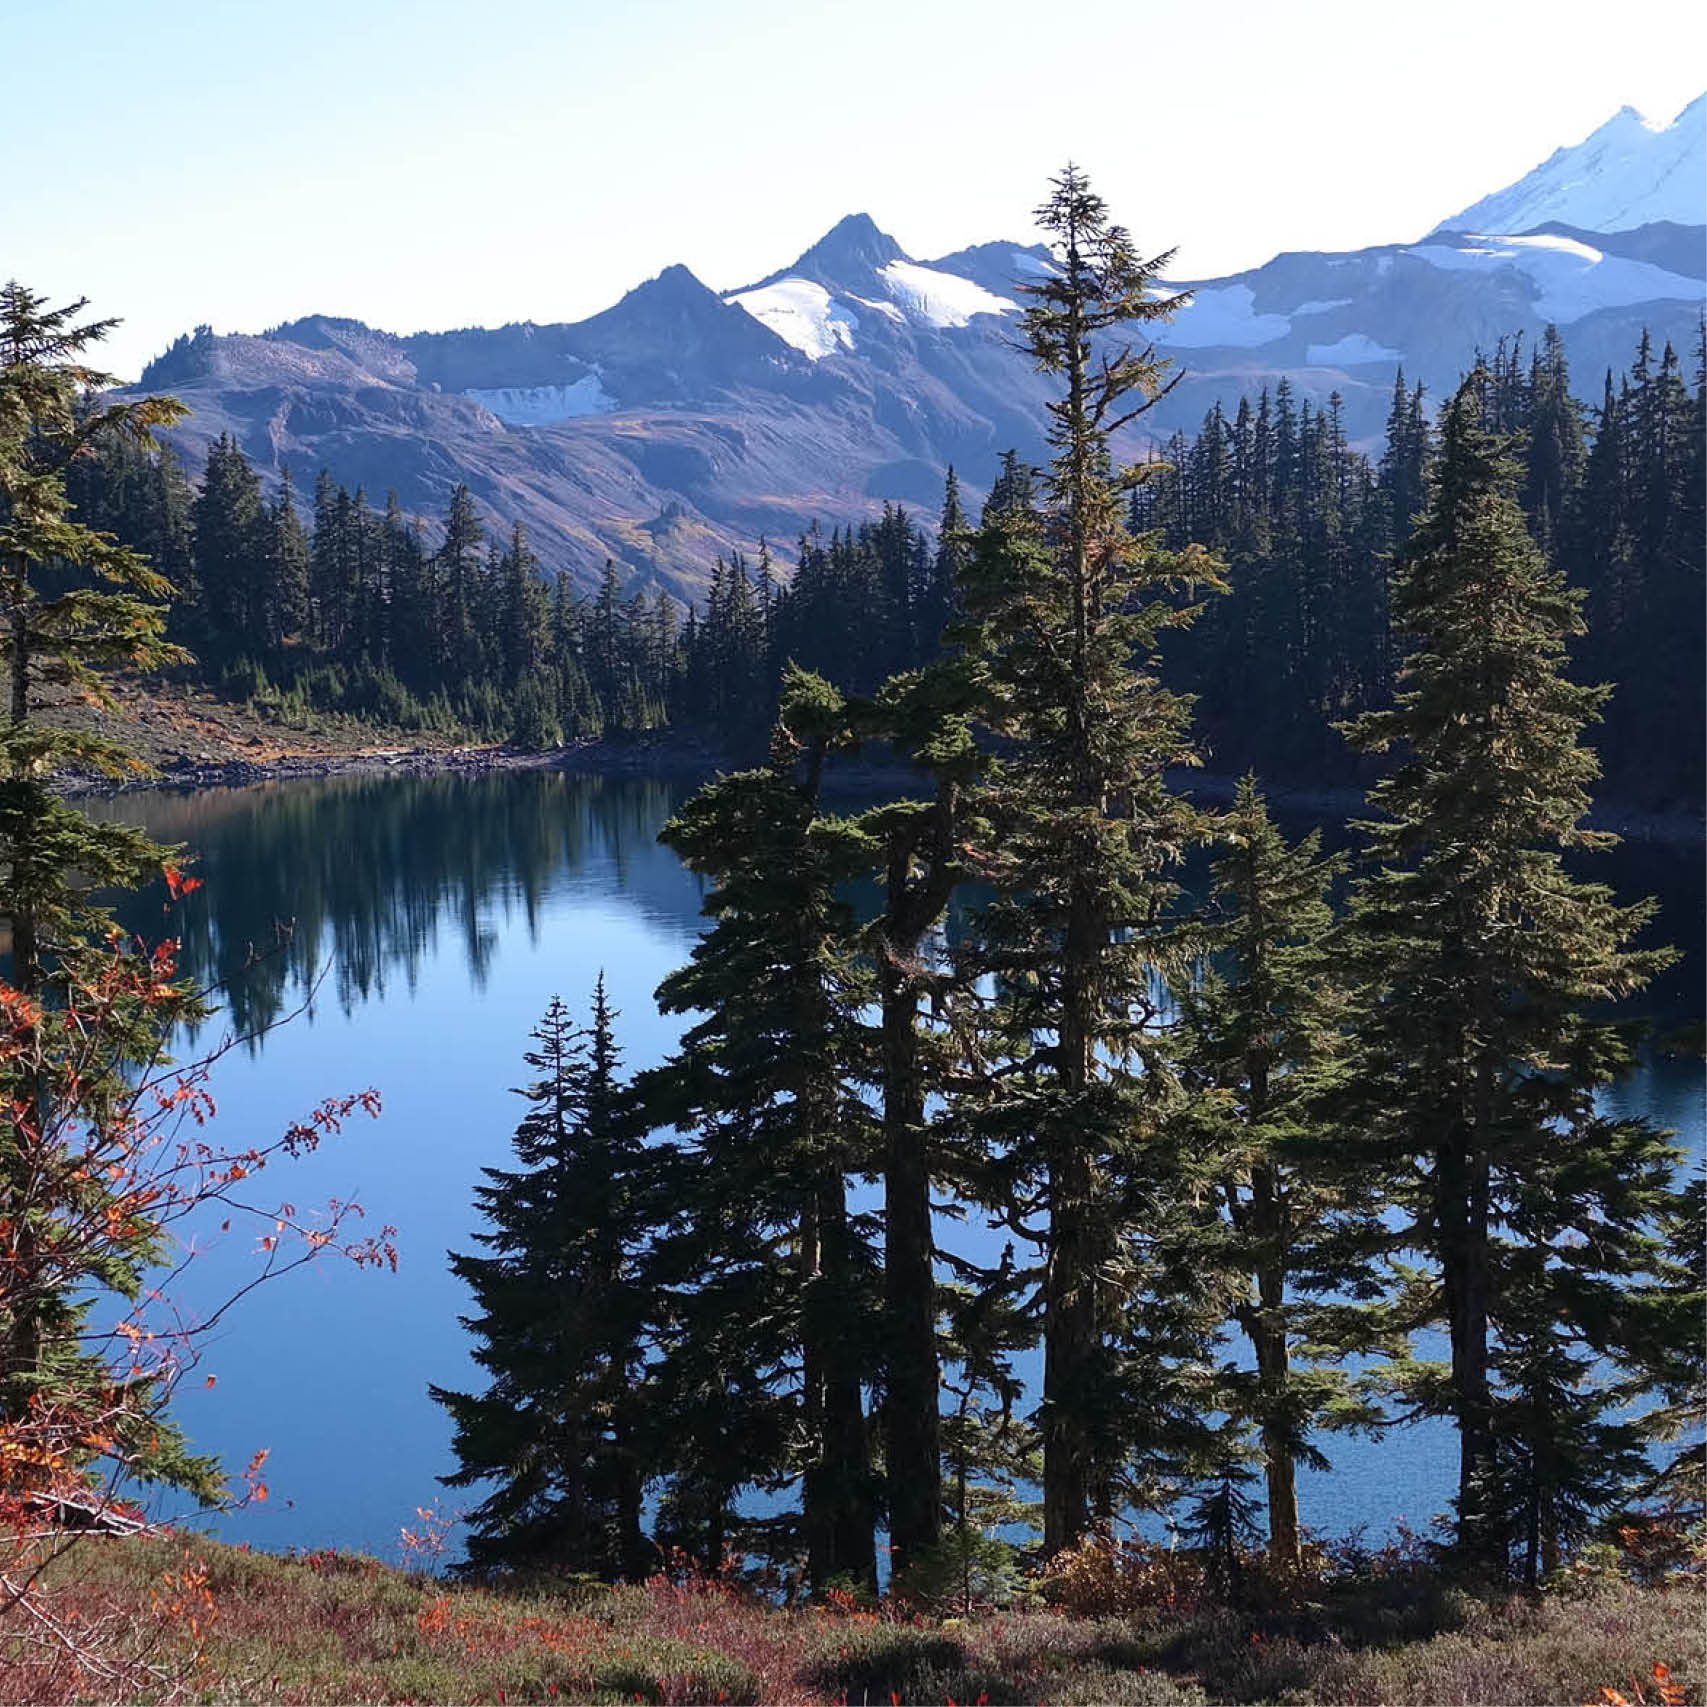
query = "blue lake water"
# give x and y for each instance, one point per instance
(434, 919)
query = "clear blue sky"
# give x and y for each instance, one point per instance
(432, 163)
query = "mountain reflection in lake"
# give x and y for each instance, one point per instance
(432, 919)
(370, 875)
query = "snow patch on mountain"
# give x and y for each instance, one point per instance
(1323, 307)
(1629, 172)
(1222, 317)
(1566, 278)
(1354, 347)
(939, 299)
(1034, 266)
(538, 405)
(802, 313)
(887, 309)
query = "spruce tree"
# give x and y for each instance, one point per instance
(59, 631)
(1555, 444)
(458, 566)
(1478, 1057)
(560, 1320)
(231, 549)
(284, 584)
(939, 601)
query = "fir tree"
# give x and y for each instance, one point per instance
(1477, 1061)
(1555, 443)
(1064, 610)
(1014, 489)
(284, 585)
(770, 1335)
(230, 529)
(458, 574)
(560, 1322)
(1264, 1052)
(918, 851)
(57, 631)
(74, 606)
(939, 602)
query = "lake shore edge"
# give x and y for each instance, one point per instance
(668, 755)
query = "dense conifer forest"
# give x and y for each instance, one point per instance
(324, 602)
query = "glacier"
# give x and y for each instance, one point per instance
(802, 313)
(938, 299)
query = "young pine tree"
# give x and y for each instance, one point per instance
(1478, 1057)
(560, 1322)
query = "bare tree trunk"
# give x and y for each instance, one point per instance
(840, 1523)
(1274, 1366)
(912, 1424)
(1069, 1354)
(912, 1428)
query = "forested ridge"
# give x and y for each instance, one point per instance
(318, 601)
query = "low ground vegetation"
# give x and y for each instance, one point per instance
(173, 725)
(1131, 1626)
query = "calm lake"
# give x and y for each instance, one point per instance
(434, 919)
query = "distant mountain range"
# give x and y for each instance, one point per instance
(679, 423)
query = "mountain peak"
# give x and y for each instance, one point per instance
(1630, 172)
(677, 282)
(677, 295)
(852, 245)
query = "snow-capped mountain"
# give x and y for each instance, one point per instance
(681, 422)
(1630, 172)
(817, 305)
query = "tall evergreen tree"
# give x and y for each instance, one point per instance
(231, 547)
(769, 1084)
(1478, 1063)
(283, 590)
(59, 632)
(459, 574)
(1064, 611)
(939, 603)
(1555, 445)
(74, 606)
(918, 847)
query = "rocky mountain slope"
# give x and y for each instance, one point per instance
(679, 423)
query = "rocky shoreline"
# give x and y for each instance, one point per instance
(665, 755)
